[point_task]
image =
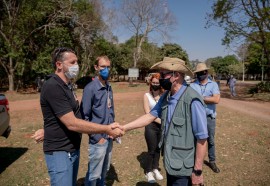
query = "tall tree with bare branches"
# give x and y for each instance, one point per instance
(143, 17)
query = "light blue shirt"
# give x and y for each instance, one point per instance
(199, 122)
(207, 90)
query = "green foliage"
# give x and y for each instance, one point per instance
(173, 50)
(243, 20)
(263, 86)
(260, 88)
(227, 65)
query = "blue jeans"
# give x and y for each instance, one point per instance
(63, 167)
(232, 88)
(211, 126)
(178, 181)
(99, 163)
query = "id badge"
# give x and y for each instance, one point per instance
(109, 103)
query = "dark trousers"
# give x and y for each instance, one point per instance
(178, 181)
(152, 136)
(211, 126)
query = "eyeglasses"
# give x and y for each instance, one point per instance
(201, 73)
(104, 66)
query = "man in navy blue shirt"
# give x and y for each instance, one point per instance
(179, 160)
(211, 95)
(97, 106)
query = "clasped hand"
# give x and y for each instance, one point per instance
(115, 130)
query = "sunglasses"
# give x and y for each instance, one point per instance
(164, 74)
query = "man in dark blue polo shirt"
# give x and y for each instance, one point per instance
(62, 120)
(211, 96)
(97, 106)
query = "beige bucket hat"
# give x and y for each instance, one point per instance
(200, 67)
(173, 64)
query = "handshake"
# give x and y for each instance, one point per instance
(114, 130)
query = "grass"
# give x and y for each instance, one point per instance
(243, 148)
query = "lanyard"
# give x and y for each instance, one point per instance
(203, 89)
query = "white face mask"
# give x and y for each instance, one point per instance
(72, 72)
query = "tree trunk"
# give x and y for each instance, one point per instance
(11, 80)
(11, 75)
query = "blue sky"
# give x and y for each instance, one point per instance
(190, 32)
(200, 43)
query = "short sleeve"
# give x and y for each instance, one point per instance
(199, 121)
(58, 100)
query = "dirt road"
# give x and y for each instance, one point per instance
(260, 110)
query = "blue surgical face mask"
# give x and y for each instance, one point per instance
(104, 73)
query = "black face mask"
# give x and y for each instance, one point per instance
(202, 77)
(165, 83)
(155, 87)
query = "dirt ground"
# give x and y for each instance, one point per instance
(241, 103)
(242, 137)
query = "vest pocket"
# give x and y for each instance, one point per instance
(177, 126)
(181, 156)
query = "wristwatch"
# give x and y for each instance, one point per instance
(197, 172)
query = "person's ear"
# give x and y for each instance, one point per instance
(59, 65)
(96, 67)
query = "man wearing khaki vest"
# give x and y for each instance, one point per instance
(184, 126)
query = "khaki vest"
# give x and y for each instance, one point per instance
(179, 142)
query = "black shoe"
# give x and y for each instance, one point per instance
(214, 167)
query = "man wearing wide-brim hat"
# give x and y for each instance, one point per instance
(211, 95)
(184, 126)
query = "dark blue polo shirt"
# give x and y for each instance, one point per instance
(97, 106)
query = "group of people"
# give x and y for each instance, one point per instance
(179, 120)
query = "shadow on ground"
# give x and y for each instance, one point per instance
(111, 177)
(142, 159)
(143, 183)
(8, 155)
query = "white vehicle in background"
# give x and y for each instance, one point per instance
(4, 116)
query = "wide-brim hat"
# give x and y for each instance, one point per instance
(200, 67)
(173, 64)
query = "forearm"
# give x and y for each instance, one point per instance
(212, 99)
(158, 120)
(201, 147)
(140, 122)
(87, 127)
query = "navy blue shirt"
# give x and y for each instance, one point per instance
(199, 122)
(97, 106)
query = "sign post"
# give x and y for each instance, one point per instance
(133, 73)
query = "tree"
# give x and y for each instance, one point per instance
(224, 65)
(242, 53)
(16, 34)
(243, 19)
(54, 23)
(174, 50)
(144, 17)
